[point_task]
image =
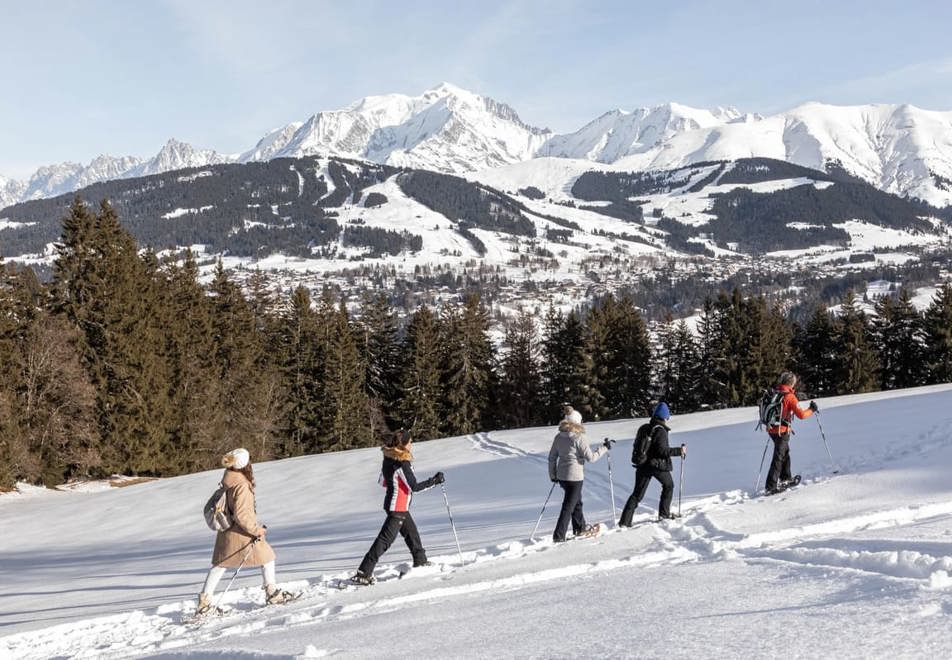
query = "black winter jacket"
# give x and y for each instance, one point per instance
(397, 477)
(659, 452)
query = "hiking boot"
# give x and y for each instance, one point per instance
(363, 580)
(276, 596)
(421, 564)
(668, 516)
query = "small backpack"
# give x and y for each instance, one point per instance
(641, 446)
(771, 407)
(217, 516)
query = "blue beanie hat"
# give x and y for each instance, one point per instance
(661, 411)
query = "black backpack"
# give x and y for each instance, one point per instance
(642, 445)
(771, 407)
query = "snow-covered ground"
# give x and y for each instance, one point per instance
(852, 565)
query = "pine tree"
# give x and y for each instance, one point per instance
(345, 378)
(194, 380)
(628, 358)
(679, 367)
(302, 363)
(855, 357)
(938, 329)
(521, 380)
(817, 356)
(380, 351)
(899, 337)
(466, 365)
(420, 390)
(567, 367)
(250, 392)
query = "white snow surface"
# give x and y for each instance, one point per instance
(849, 565)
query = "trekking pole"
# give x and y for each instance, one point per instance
(611, 482)
(542, 513)
(761, 470)
(681, 482)
(825, 444)
(452, 524)
(237, 571)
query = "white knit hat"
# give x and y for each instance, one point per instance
(575, 417)
(236, 458)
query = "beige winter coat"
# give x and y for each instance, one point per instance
(232, 544)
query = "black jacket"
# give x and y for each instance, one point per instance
(397, 477)
(659, 452)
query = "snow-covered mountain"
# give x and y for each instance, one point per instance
(446, 129)
(849, 565)
(618, 133)
(177, 155)
(897, 148)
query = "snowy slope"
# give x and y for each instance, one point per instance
(851, 565)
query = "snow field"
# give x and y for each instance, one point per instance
(857, 563)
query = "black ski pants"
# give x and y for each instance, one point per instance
(643, 476)
(571, 509)
(780, 464)
(397, 522)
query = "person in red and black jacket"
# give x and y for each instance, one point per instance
(779, 473)
(398, 478)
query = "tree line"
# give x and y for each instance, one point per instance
(124, 363)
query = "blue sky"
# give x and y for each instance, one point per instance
(84, 78)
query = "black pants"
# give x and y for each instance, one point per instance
(571, 508)
(780, 464)
(400, 522)
(643, 476)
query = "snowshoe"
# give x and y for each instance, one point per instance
(421, 564)
(363, 580)
(278, 596)
(589, 531)
(670, 516)
(784, 485)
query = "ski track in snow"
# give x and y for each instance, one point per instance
(710, 531)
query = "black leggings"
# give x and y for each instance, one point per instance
(397, 521)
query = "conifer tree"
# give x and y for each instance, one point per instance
(898, 334)
(345, 378)
(380, 351)
(938, 330)
(302, 359)
(420, 390)
(197, 422)
(521, 380)
(568, 367)
(855, 357)
(628, 358)
(249, 385)
(467, 370)
(817, 354)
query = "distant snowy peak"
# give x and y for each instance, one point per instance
(55, 180)
(445, 128)
(620, 133)
(272, 143)
(897, 148)
(177, 155)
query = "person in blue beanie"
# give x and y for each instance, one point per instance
(651, 457)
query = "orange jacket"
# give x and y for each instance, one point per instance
(790, 407)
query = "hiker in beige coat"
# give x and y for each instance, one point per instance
(243, 543)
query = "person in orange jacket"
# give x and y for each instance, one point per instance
(779, 475)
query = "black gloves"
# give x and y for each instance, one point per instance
(813, 406)
(438, 478)
(608, 443)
